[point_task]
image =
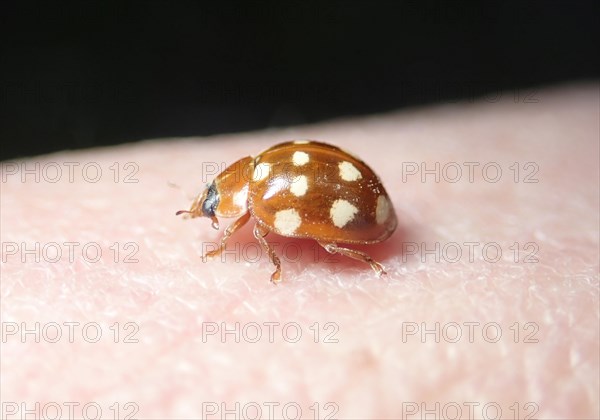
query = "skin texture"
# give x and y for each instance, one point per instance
(369, 358)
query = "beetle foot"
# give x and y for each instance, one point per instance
(378, 268)
(276, 277)
(357, 255)
(210, 255)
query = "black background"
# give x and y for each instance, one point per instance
(88, 73)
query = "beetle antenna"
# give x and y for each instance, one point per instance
(183, 193)
(174, 185)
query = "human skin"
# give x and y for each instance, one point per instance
(363, 350)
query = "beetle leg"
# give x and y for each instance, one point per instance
(231, 229)
(259, 234)
(357, 255)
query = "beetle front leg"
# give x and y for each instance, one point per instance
(357, 255)
(231, 229)
(259, 234)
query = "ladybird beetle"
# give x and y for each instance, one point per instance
(302, 189)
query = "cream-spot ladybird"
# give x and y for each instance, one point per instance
(303, 189)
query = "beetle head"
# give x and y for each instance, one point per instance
(226, 196)
(205, 205)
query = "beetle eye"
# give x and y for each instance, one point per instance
(211, 201)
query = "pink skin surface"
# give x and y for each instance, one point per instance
(490, 302)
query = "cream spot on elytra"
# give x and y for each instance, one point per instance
(300, 158)
(287, 221)
(382, 211)
(261, 171)
(348, 172)
(299, 186)
(342, 212)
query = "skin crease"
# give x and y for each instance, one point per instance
(372, 369)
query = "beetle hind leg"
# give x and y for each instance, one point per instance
(357, 255)
(259, 234)
(231, 229)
